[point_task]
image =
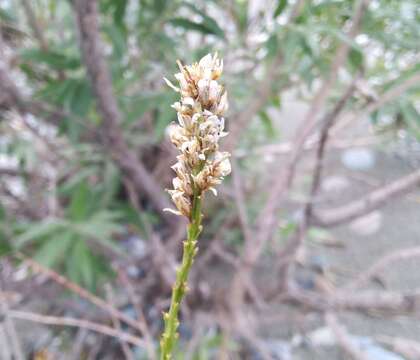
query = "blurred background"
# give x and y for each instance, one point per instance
(311, 249)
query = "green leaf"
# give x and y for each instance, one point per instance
(403, 76)
(276, 101)
(207, 21)
(81, 98)
(110, 185)
(5, 247)
(80, 202)
(54, 59)
(118, 38)
(204, 27)
(6, 16)
(281, 5)
(84, 267)
(38, 231)
(54, 249)
(411, 118)
(138, 105)
(68, 187)
(268, 124)
(272, 45)
(100, 227)
(119, 12)
(356, 58)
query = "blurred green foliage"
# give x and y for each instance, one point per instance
(143, 38)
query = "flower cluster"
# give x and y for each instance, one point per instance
(203, 102)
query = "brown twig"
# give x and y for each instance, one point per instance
(368, 203)
(239, 197)
(386, 97)
(134, 298)
(380, 265)
(5, 351)
(393, 93)
(408, 348)
(343, 338)
(291, 248)
(117, 325)
(285, 148)
(10, 329)
(386, 302)
(83, 293)
(281, 183)
(327, 123)
(80, 323)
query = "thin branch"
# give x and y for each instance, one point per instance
(326, 126)
(285, 148)
(5, 351)
(117, 325)
(282, 182)
(382, 264)
(408, 348)
(368, 203)
(343, 338)
(240, 201)
(83, 293)
(393, 93)
(10, 329)
(385, 98)
(386, 302)
(296, 240)
(80, 323)
(134, 298)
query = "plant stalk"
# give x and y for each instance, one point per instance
(170, 335)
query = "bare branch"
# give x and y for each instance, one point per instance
(68, 321)
(10, 329)
(368, 203)
(135, 300)
(343, 338)
(326, 126)
(393, 93)
(388, 96)
(282, 182)
(9, 94)
(117, 324)
(296, 240)
(386, 302)
(408, 348)
(83, 293)
(240, 201)
(380, 265)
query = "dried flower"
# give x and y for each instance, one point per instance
(201, 165)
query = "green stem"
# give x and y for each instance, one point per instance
(170, 318)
